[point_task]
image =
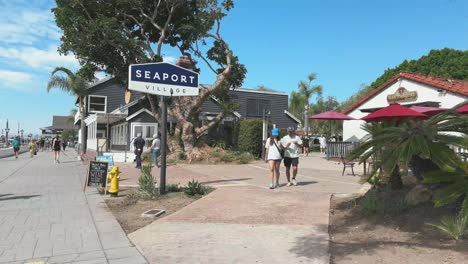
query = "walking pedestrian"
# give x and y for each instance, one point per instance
(32, 148)
(323, 144)
(273, 157)
(291, 144)
(138, 144)
(64, 145)
(305, 143)
(16, 146)
(155, 146)
(56, 142)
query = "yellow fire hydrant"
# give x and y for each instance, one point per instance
(114, 176)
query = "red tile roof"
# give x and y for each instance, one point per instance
(454, 86)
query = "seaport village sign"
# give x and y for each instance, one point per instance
(165, 80)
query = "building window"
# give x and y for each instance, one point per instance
(255, 107)
(119, 134)
(97, 104)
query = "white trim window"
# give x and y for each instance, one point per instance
(97, 103)
(146, 129)
(119, 134)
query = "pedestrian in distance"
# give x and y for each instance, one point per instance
(305, 143)
(32, 148)
(16, 146)
(64, 145)
(323, 144)
(156, 146)
(291, 143)
(138, 144)
(273, 157)
(56, 145)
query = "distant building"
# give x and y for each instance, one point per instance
(59, 124)
(111, 124)
(408, 89)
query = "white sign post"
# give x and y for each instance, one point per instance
(166, 80)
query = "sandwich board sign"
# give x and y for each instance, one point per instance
(162, 79)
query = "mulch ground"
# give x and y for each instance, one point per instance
(129, 214)
(383, 238)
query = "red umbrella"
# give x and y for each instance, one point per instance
(393, 111)
(427, 110)
(331, 115)
(463, 109)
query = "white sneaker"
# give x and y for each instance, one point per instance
(272, 186)
(288, 184)
(294, 182)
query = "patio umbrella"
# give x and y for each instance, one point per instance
(463, 109)
(331, 115)
(393, 111)
(427, 110)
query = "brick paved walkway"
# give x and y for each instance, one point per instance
(44, 215)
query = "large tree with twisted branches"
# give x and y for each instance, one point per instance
(113, 34)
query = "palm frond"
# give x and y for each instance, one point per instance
(61, 83)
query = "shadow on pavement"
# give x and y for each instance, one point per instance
(6, 194)
(303, 183)
(18, 197)
(227, 180)
(314, 245)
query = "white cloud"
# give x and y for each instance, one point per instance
(21, 24)
(37, 58)
(169, 59)
(14, 76)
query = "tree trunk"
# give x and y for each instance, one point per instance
(188, 139)
(395, 179)
(82, 127)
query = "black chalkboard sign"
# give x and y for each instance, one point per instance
(97, 173)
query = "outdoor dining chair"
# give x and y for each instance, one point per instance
(347, 164)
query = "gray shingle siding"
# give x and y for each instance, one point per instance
(114, 92)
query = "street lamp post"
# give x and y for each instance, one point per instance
(6, 136)
(265, 116)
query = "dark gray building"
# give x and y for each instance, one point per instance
(112, 124)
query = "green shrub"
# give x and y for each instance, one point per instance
(146, 182)
(250, 136)
(454, 226)
(245, 158)
(228, 157)
(196, 188)
(314, 148)
(182, 156)
(131, 198)
(217, 153)
(173, 188)
(368, 204)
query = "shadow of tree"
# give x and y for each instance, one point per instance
(313, 246)
(227, 180)
(18, 197)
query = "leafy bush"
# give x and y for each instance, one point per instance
(368, 204)
(196, 188)
(454, 226)
(228, 157)
(245, 158)
(250, 136)
(146, 182)
(182, 156)
(131, 198)
(173, 188)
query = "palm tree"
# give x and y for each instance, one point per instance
(77, 86)
(419, 144)
(307, 90)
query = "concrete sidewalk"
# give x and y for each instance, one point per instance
(243, 221)
(45, 215)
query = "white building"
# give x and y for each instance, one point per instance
(407, 89)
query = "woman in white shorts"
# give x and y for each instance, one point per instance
(273, 157)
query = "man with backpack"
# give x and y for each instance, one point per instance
(16, 146)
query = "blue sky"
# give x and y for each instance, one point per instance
(346, 42)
